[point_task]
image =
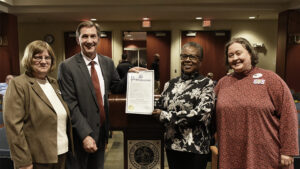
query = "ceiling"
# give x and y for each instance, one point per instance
(135, 10)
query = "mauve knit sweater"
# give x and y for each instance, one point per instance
(256, 120)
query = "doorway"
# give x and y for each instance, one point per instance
(141, 48)
(134, 45)
(213, 43)
(71, 46)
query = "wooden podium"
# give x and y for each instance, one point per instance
(143, 136)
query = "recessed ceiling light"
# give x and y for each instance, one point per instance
(252, 17)
(199, 18)
(93, 19)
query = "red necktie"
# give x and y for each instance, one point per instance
(96, 85)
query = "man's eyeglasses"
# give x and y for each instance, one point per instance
(40, 58)
(191, 57)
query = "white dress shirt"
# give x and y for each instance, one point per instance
(62, 138)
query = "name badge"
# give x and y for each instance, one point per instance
(257, 75)
(259, 81)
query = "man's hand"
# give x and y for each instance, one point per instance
(156, 112)
(27, 167)
(137, 69)
(286, 160)
(89, 144)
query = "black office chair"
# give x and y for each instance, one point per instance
(297, 162)
(4, 149)
(297, 159)
(5, 161)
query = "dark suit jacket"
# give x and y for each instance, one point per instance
(78, 91)
(31, 122)
(123, 68)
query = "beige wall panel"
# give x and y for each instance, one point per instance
(255, 31)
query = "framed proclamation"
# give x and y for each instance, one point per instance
(140, 92)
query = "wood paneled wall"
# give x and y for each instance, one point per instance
(213, 43)
(281, 44)
(71, 46)
(105, 46)
(288, 51)
(156, 42)
(134, 43)
(9, 46)
(162, 46)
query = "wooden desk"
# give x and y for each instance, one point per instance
(298, 119)
(143, 135)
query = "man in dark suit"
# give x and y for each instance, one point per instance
(85, 80)
(124, 66)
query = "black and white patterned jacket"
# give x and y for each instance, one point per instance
(187, 104)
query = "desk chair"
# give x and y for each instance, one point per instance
(5, 161)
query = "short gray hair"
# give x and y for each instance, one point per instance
(196, 46)
(87, 24)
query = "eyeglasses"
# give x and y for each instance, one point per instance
(191, 57)
(40, 58)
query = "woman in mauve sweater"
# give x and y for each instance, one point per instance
(256, 114)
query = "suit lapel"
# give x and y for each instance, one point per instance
(38, 90)
(85, 72)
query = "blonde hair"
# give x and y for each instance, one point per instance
(34, 48)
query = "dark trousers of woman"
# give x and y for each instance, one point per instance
(186, 160)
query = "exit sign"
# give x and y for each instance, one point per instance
(206, 23)
(146, 24)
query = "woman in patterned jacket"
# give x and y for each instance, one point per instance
(185, 109)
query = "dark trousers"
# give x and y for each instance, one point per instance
(84, 160)
(61, 164)
(88, 161)
(186, 160)
(96, 160)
